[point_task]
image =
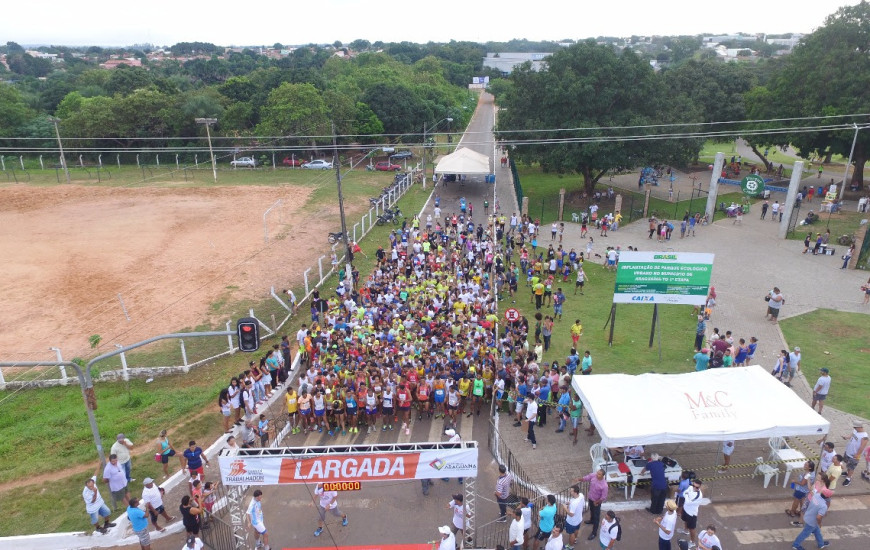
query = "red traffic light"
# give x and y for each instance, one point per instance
(248, 332)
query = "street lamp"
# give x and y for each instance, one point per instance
(207, 122)
(849, 162)
(56, 121)
(431, 128)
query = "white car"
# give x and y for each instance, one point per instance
(318, 165)
(244, 162)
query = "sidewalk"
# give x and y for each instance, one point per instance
(750, 259)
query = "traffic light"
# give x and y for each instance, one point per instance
(248, 331)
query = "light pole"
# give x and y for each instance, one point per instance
(207, 122)
(431, 128)
(849, 163)
(56, 121)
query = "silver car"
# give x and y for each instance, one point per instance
(317, 165)
(244, 162)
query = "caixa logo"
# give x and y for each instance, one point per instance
(643, 298)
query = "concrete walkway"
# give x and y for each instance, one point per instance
(750, 260)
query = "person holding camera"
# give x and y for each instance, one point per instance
(775, 301)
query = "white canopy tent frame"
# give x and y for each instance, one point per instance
(713, 405)
(464, 161)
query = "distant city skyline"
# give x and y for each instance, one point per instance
(163, 23)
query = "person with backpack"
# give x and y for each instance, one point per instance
(610, 532)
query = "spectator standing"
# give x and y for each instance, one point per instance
(700, 333)
(546, 521)
(95, 506)
(457, 506)
(574, 515)
(138, 523)
(448, 540)
(794, 364)
(255, 516)
(659, 483)
(121, 448)
(555, 542)
(153, 498)
(667, 524)
(167, 451)
(597, 495)
(502, 492)
(708, 540)
(820, 390)
(193, 543)
(193, 457)
(531, 419)
(515, 534)
(775, 301)
(113, 475)
(854, 448)
(691, 505)
(727, 451)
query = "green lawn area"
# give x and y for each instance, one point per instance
(841, 223)
(542, 189)
(630, 352)
(186, 405)
(837, 340)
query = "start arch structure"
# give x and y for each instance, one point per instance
(346, 463)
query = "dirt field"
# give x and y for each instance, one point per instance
(68, 251)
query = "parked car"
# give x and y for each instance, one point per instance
(244, 162)
(290, 161)
(317, 165)
(401, 155)
(384, 166)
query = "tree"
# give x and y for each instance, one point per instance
(125, 80)
(590, 86)
(827, 74)
(294, 109)
(398, 106)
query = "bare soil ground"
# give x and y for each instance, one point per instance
(67, 252)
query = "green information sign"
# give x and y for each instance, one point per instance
(752, 185)
(664, 278)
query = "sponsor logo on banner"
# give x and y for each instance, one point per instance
(241, 474)
(709, 405)
(357, 468)
(437, 463)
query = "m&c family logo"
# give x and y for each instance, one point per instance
(237, 468)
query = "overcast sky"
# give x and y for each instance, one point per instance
(164, 22)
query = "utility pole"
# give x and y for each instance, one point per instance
(56, 121)
(207, 122)
(348, 248)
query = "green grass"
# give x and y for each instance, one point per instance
(630, 352)
(837, 340)
(32, 420)
(842, 223)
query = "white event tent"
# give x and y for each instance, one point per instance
(712, 405)
(464, 161)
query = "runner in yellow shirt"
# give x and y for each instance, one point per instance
(292, 410)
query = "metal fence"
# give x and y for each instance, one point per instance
(201, 351)
(518, 187)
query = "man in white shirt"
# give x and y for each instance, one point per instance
(95, 506)
(708, 539)
(820, 390)
(121, 448)
(193, 543)
(255, 516)
(154, 503)
(328, 503)
(531, 419)
(448, 541)
(667, 523)
(690, 508)
(574, 514)
(609, 531)
(515, 534)
(555, 540)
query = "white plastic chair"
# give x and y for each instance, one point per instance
(599, 455)
(767, 470)
(575, 217)
(776, 443)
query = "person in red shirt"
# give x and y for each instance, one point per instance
(423, 399)
(403, 396)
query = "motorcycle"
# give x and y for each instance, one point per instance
(334, 237)
(389, 216)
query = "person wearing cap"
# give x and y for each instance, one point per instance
(820, 390)
(854, 448)
(95, 506)
(153, 498)
(667, 524)
(192, 543)
(138, 523)
(121, 448)
(692, 497)
(794, 364)
(448, 540)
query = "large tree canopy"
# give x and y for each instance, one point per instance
(827, 74)
(590, 92)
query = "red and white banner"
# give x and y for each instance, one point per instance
(383, 466)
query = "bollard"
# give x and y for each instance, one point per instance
(183, 352)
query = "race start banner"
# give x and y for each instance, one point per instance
(380, 466)
(663, 278)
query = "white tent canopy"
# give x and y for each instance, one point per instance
(463, 161)
(713, 405)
